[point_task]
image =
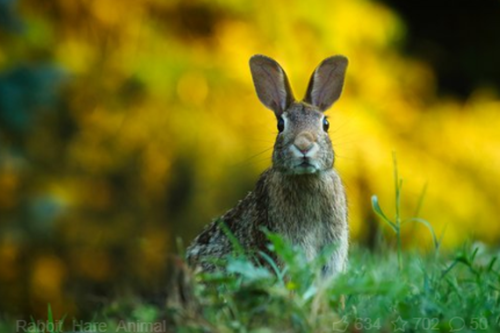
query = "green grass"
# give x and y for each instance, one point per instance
(449, 292)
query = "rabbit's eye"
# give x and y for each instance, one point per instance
(326, 124)
(281, 124)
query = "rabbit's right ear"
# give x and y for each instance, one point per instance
(271, 84)
(326, 82)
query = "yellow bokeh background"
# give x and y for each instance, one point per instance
(164, 132)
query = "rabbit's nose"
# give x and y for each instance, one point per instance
(304, 142)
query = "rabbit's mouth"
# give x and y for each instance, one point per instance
(306, 166)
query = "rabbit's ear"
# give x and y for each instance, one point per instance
(326, 82)
(271, 83)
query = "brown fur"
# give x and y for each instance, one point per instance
(301, 196)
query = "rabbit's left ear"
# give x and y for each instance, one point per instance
(271, 84)
(326, 82)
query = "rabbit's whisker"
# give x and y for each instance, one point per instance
(252, 157)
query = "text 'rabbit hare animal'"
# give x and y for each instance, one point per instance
(301, 196)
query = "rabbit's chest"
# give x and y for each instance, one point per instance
(310, 215)
(312, 241)
(306, 220)
(308, 224)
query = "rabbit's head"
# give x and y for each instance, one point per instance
(302, 145)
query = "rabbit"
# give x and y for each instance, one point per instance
(301, 196)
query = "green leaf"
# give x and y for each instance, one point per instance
(379, 212)
(310, 292)
(279, 273)
(428, 225)
(249, 271)
(420, 200)
(237, 247)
